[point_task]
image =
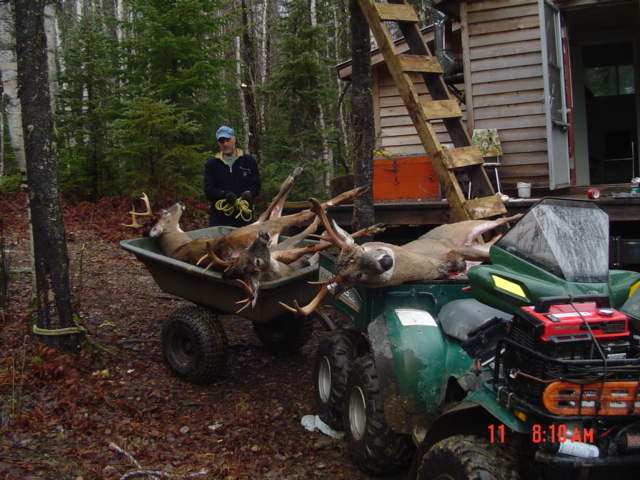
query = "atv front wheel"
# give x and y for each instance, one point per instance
(334, 357)
(194, 344)
(467, 457)
(374, 447)
(285, 334)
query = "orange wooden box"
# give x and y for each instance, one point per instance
(401, 178)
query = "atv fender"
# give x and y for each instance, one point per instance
(471, 418)
(414, 362)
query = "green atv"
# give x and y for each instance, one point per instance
(529, 365)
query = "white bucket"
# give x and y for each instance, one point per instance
(524, 189)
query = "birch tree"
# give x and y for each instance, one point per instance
(246, 127)
(249, 91)
(9, 72)
(53, 295)
(327, 153)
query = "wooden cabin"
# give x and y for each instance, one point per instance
(559, 80)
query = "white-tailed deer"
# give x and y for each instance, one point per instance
(435, 255)
(244, 253)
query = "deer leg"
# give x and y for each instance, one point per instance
(288, 256)
(487, 227)
(292, 255)
(275, 207)
(291, 241)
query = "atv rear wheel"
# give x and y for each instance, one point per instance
(334, 357)
(374, 447)
(194, 344)
(467, 457)
(285, 334)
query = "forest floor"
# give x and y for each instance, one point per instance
(64, 416)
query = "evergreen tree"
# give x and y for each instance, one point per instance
(299, 83)
(156, 151)
(88, 104)
(177, 53)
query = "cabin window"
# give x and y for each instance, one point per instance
(609, 70)
(611, 80)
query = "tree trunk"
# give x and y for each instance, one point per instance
(341, 127)
(243, 105)
(254, 132)
(361, 117)
(1, 130)
(53, 294)
(263, 56)
(327, 153)
(9, 72)
(51, 32)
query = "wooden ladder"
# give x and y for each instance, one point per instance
(464, 162)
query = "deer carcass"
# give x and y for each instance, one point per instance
(243, 253)
(435, 255)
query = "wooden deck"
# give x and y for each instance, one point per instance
(436, 212)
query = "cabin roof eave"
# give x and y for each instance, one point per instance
(344, 68)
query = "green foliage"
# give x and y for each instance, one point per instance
(10, 184)
(10, 164)
(133, 113)
(175, 52)
(298, 85)
(37, 360)
(155, 150)
(88, 104)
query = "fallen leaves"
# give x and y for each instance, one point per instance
(246, 426)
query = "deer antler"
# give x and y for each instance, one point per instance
(134, 214)
(288, 256)
(311, 306)
(365, 232)
(333, 236)
(250, 295)
(308, 309)
(215, 259)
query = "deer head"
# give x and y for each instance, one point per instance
(168, 232)
(379, 264)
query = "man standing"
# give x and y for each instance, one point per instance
(231, 182)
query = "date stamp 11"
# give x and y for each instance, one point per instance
(551, 433)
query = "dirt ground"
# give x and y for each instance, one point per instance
(77, 417)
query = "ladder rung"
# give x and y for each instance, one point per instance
(461, 157)
(396, 12)
(485, 207)
(420, 64)
(438, 109)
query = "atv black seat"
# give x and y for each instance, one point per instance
(459, 318)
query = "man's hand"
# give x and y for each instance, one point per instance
(230, 197)
(246, 195)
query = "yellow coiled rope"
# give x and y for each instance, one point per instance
(240, 205)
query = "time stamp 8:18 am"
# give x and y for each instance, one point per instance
(546, 434)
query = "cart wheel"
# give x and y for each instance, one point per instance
(285, 334)
(467, 457)
(194, 344)
(334, 357)
(374, 447)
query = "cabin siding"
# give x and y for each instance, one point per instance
(500, 41)
(505, 90)
(504, 80)
(395, 132)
